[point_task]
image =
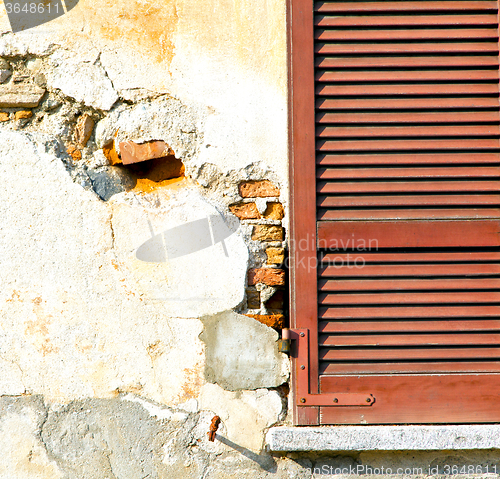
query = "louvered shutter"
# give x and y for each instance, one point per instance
(395, 229)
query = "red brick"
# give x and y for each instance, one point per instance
(267, 233)
(258, 189)
(132, 152)
(4, 116)
(275, 255)
(276, 321)
(274, 211)
(245, 211)
(269, 276)
(253, 299)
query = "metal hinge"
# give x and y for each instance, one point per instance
(300, 351)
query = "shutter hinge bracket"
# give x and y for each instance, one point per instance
(300, 352)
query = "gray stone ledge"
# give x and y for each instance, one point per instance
(383, 438)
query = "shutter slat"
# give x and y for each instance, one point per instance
(409, 131)
(406, 354)
(424, 144)
(388, 340)
(384, 48)
(407, 159)
(417, 172)
(410, 61)
(422, 89)
(407, 200)
(406, 103)
(409, 284)
(408, 187)
(370, 215)
(409, 326)
(404, 20)
(410, 75)
(400, 34)
(420, 257)
(407, 367)
(409, 298)
(415, 117)
(356, 7)
(401, 312)
(389, 270)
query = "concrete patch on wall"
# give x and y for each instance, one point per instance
(242, 353)
(23, 453)
(180, 252)
(245, 414)
(120, 439)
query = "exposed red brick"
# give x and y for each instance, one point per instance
(258, 189)
(23, 115)
(132, 152)
(267, 233)
(269, 276)
(275, 255)
(4, 116)
(274, 211)
(253, 299)
(276, 321)
(245, 211)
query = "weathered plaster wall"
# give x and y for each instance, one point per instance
(121, 333)
(139, 301)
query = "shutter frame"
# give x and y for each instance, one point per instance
(309, 102)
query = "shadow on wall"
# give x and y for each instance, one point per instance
(264, 460)
(185, 239)
(26, 14)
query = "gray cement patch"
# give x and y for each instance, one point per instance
(242, 353)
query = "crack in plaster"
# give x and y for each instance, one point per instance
(23, 374)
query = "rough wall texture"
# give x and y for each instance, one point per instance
(143, 208)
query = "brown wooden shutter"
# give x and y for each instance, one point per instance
(395, 230)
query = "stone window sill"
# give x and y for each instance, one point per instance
(383, 438)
